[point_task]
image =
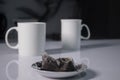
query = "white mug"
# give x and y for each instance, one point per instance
(71, 33)
(25, 70)
(31, 38)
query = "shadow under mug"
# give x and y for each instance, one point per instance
(25, 71)
(71, 33)
(31, 38)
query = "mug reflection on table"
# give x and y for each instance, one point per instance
(25, 71)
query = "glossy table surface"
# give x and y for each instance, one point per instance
(104, 57)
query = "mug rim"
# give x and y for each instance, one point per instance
(31, 23)
(71, 19)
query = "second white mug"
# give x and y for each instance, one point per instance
(71, 33)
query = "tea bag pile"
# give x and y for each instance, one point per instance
(48, 63)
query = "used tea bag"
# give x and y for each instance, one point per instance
(50, 64)
(66, 64)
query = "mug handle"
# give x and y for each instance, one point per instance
(88, 30)
(7, 67)
(85, 61)
(6, 38)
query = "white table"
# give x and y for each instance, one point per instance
(104, 56)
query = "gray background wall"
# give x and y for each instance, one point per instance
(22, 9)
(102, 16)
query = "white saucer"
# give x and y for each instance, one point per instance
(52, 74)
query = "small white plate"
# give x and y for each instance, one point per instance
(52, 74)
